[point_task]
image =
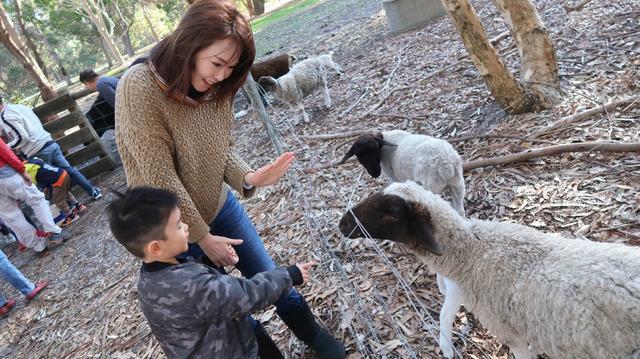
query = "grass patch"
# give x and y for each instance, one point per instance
(259, 23)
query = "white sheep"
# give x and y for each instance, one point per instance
(302, 79)
(537, 292)
(402, 156)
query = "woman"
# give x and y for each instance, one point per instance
(174, 116)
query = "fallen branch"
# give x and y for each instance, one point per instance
(526, 139)
(330, 136)
(310, 170)
(398, 115)
(586, 114)
(366, 90)
(577, 7)
(552, 150)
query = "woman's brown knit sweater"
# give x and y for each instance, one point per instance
(183, 148)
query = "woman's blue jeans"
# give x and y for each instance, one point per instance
(12, 275)
(233, 222)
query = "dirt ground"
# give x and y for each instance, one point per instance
(374, 295)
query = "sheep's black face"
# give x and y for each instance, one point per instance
(391, 217)
(368, 150)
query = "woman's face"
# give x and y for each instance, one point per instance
(214, 64)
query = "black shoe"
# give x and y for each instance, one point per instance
(306, 328)
(267, 349)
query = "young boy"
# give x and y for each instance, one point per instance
(56, 179)
(194, 310)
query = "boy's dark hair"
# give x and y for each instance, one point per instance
(140, 215)
(87, 75)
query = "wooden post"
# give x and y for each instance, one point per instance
(251, 89)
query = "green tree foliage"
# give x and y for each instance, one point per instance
(76, 40)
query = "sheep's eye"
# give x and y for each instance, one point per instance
(389, 218)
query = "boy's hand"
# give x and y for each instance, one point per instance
(26, 177)
(304, 269)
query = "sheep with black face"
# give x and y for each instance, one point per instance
(402, 156)
(537, 292)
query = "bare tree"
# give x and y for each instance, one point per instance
(17, 4)
(539, 88)
(95, 11)
(124, 25)
(258, 6)
(10, 39)
(249, 5)
(52, 52)
(147, 19)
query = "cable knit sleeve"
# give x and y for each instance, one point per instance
(147, 149)
(234, 173)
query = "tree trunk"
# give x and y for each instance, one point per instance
(125, 26)
(250, 8)
(54, 55)
(156, 38)
(539, 64)
(510, 94)
(12, 42)
(95, 14)
(105, 51)
(258, 6)
(126, 41)
(29, 42)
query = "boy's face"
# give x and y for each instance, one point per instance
(175, 242)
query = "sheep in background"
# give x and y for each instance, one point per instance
(275, 67)
(301, 80)
(536, 292)
(402, 156)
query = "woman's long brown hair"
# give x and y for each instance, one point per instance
(204, 22)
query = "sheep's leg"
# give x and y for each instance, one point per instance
(325, 93)
(521, 351)
(456, 190)
(300, 107)
(440, 281)
(453, 298)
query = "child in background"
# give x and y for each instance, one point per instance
(55, 179)
(194, 310)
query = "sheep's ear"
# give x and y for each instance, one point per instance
(267, 82)
(423, 229)
(352, 151)
(380, 138)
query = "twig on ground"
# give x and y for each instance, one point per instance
(329, 136)
(473, 137)
(633, 100)
(315, 169)
(577, 6)
(551, 150)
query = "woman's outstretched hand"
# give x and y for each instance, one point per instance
(271, 173)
